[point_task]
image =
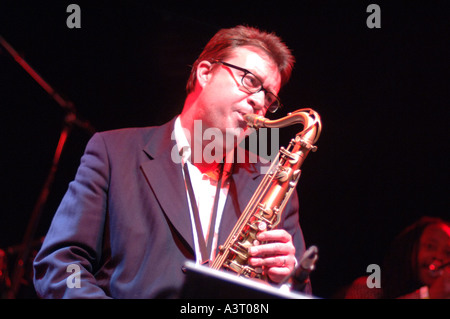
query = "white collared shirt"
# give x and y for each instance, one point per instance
(204, 189)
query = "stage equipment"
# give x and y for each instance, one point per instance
(71, 119)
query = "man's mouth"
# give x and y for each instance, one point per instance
(242, 122)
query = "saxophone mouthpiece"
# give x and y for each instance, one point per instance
(254, 120)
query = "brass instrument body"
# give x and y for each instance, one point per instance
(264, 210)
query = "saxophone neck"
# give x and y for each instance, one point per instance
(310, 119)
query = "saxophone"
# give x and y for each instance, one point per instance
(266, 206)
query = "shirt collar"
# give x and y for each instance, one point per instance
(184, 149)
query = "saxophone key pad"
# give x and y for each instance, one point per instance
(262, 226)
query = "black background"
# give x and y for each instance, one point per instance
(382, 94)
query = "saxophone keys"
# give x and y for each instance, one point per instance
(295, 177)
(262, 226)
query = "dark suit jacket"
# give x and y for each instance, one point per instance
(125, 220)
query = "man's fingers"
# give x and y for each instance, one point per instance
(279, 235)
(272, 249)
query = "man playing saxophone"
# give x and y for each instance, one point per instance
(137, 209)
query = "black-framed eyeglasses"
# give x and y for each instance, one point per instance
(254, 85)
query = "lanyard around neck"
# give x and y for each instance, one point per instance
(205, 248)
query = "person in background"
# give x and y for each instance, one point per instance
(416, 266)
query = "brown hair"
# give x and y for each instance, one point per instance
(225, 40)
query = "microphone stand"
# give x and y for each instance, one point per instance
(299, 277)
(71, 119)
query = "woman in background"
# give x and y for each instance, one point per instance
(417, 265)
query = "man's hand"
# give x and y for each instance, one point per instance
(276, 256)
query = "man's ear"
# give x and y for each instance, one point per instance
(204, 72)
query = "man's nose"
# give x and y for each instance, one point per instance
(256, 100)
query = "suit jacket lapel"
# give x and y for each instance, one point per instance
(165, 179)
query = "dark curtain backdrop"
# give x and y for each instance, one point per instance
(382, 159)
